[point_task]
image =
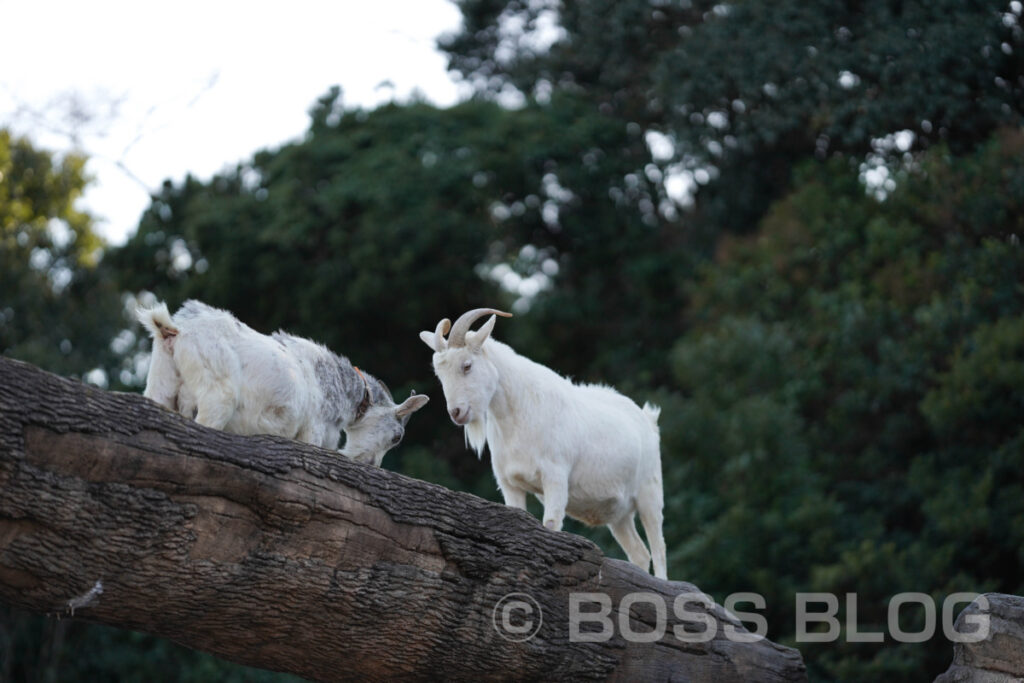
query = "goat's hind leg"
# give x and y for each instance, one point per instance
(649, 504)
(215, 408)
(625, 533)
(211, 371)
(162, 379)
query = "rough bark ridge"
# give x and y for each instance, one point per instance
(999, 658)
(287, 557)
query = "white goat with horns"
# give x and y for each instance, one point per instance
(583, 450)
(209, 366)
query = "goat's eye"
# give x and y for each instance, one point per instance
(466, 367)
(395, 439)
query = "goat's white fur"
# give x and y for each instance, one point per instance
(208, 365)
(584, 450)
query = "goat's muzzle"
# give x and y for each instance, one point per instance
(459, 415)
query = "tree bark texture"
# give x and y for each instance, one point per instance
(999, 658)
(288, 557)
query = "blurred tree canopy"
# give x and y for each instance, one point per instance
(383, 222)
(748, 89)
(60, 309)
(830, 313)
(57, 308)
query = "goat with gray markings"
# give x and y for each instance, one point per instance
(209, 366)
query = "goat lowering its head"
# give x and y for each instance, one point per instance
(585, 450)
(209, 366)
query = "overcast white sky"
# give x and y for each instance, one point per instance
(188, 86)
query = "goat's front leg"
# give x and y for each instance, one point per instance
(556, 497)
(514, 497)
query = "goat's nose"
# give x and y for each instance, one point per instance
(455, 412)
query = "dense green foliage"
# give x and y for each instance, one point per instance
(834, 327)
(853, 393)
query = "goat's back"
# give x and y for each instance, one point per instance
(619, 435)
(271, 387)
(601, 434)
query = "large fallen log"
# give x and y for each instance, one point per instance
(284, 556)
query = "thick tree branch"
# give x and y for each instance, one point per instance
(283, 556)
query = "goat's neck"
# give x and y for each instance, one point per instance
(503, 403)
(344, 388)
(358, 389)
(506, 402)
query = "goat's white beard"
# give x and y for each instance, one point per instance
(476, 435)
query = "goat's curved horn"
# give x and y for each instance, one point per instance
(461, 326)
(442, 329)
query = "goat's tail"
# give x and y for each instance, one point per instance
(652, 412)
(158, 321)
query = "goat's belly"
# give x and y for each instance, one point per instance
(597, 512)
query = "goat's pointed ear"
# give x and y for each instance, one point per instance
(411, 405)
(429, 339)
(474, 340)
